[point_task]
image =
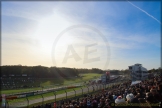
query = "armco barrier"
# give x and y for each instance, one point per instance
(11, 97)
(21, 96)
(30, 94)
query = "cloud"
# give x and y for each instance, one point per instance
(27, 10)
(138, 39)
(19, 39)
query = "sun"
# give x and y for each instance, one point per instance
(48, 29)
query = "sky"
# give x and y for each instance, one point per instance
(105, 35)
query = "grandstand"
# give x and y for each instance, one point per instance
(18, 81)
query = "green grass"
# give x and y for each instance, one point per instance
(85, 77)
(19, 90)
(67, 81)
(39, 96)
(46, 95)
(50, 83)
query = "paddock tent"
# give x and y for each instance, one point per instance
(135, 82)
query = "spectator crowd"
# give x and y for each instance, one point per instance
(146, 94)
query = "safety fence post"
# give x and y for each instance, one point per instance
(82, 90)
(66, 94)
(88, 89)
(93, 88)
(42, 99)
(102, 86)
(97, 86)
(107, 86)
(55, 95)
(6, 104)
(75, 92)
(28, 101)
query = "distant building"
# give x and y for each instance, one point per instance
(138, 72)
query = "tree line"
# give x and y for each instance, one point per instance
(44, 72)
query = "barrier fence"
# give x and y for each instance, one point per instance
(67, 95)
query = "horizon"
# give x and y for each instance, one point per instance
(75, 67)
(109, 36)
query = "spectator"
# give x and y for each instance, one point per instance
(129, 97)
(142, 95)
(119, 101)
(160, 89)
(156, 95)
(143, 103)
